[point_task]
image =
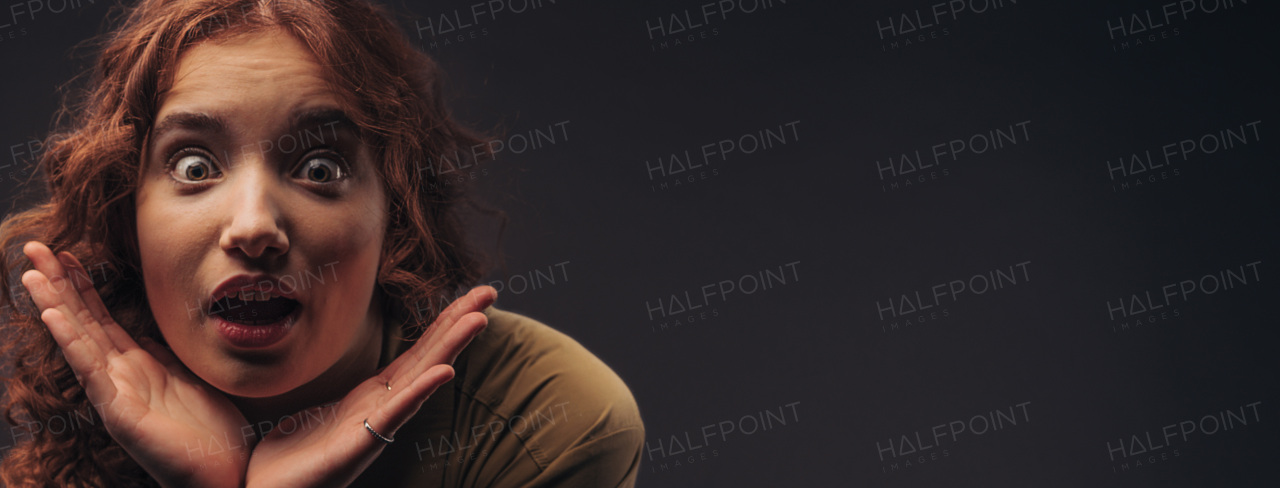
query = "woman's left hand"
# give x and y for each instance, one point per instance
(334, 451)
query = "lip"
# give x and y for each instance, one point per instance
(255, 336)
(246, 282)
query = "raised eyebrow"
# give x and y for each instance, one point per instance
(200, 121)
(194, 121)
(322, 117)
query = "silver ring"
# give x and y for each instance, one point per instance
(375, 433)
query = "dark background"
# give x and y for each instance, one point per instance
(1051, 351)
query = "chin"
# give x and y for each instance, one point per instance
(256, 377)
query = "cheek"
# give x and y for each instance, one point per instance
(344, 243)
(356, 253)
(343, 233)
(352, 231)
(172, 242)
(346, 233)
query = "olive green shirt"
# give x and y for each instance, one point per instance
(527, 407)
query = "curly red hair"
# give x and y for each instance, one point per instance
(92, 167)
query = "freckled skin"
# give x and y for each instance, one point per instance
(260, 215)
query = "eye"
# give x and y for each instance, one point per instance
(321, 169)
(193, 167)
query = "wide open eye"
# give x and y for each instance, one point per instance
(194, 167)
(321, 169)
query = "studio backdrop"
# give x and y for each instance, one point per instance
(913, 243)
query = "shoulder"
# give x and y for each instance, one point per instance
(528, 406)
(520, 366)
(568, 409)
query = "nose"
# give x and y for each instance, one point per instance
(256, 227)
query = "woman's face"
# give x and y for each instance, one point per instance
(253, 171)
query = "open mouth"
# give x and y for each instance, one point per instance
(247, 309)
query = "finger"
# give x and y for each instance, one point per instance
(85, 358)
(478, 298)
(70, 329)
(463, 332)
(403, 404)
(63, 285)
(84, 286)
(61, 291)
(444, 351)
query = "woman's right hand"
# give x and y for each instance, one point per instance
(177, 427)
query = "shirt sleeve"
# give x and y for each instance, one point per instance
(585, 426)
(609, 461)
(528, 407)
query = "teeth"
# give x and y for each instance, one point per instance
(251, 295)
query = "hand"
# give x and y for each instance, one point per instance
(334, 451)
(177, 427)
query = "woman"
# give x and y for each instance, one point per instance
(259, 181)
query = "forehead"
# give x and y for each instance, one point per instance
(259, 77)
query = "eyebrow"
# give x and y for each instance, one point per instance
(193, 121)
(204, 122)
(306, 119)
